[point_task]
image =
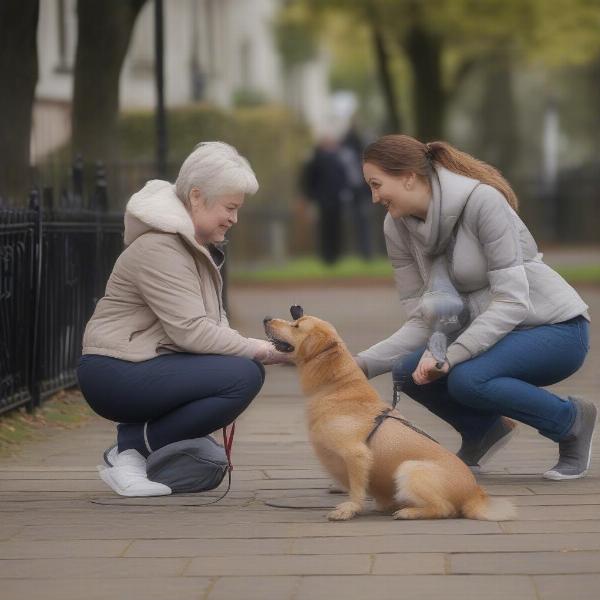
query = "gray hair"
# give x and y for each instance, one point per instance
(215, 168)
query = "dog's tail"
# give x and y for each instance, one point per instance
(481, 506)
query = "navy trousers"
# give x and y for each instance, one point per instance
(168, 398)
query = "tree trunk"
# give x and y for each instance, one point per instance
(393, 122)
(498, 116)
(424, 52)
(104, 32)
(18, 73)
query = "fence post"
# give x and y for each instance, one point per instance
(34, 386)
(77, 179)
(99, 204)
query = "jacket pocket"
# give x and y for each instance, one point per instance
(165, 346)
(135, 334)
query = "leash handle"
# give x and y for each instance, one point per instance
(398, 386)
(228, 443)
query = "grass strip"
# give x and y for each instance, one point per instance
(311, 268)
(65, 410)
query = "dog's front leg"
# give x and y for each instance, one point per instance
(358, 464)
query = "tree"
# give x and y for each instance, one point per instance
(386, 81)
(18, 77)
(104, 32)
(299, 25)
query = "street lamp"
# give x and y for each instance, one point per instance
(161, 121)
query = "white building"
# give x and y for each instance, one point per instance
(214, 51)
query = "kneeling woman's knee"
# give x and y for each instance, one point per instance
(250, 376)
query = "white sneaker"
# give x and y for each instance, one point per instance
(128, 476)
(110, 455)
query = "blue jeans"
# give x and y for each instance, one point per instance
(505, 380)
(180, 396)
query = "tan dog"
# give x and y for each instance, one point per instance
(400, 468)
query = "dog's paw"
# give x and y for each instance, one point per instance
(344, 511)
(407, 513)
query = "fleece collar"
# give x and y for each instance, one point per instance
(450, 192)
(156, 207)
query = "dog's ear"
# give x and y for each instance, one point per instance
(313, 343)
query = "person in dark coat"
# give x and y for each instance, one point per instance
(324, 181)
(360, 195)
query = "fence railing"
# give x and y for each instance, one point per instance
(55, 258)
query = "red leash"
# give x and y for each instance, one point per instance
(228, 443)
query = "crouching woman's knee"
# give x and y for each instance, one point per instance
(248, 377)
(464, 385)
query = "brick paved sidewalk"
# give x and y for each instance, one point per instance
(64, 535)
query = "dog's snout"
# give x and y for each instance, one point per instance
(267, 319)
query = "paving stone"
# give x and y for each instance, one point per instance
(254, 588)
(47, 568)
(448, 543)
(77, 588)
(409, 564)
(526, 563)
(559, 513)
(52, 485)
(589, 485)
(283, 564)
(63, 549)
(559, 587)
(557, 499)
(297, 474)
(550, 526)
(209, 547)
(53, 474)
(9, 531)
(424, 587)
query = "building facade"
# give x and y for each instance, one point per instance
(217, 51)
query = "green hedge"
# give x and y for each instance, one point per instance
(272, 139)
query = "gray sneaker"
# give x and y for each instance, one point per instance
(575, 451)
(476, 453)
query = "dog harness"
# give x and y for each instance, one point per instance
(380, 418)
(386, 414)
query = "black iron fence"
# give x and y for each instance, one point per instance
(55, 258)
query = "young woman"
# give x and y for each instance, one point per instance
(526, 327)
(159, 356)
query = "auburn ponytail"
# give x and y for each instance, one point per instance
(397, 154)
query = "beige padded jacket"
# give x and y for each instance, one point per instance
(165, 291)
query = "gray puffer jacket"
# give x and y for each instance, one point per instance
(493, 262)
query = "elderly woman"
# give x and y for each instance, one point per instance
(159, 356)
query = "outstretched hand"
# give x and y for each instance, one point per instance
(267, 354)
(427, 372)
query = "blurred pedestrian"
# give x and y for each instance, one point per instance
(526, 328)
(324, 181)
(159, 355)
(359, 203)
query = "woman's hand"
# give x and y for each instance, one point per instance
(266, 353)
(426, 371)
